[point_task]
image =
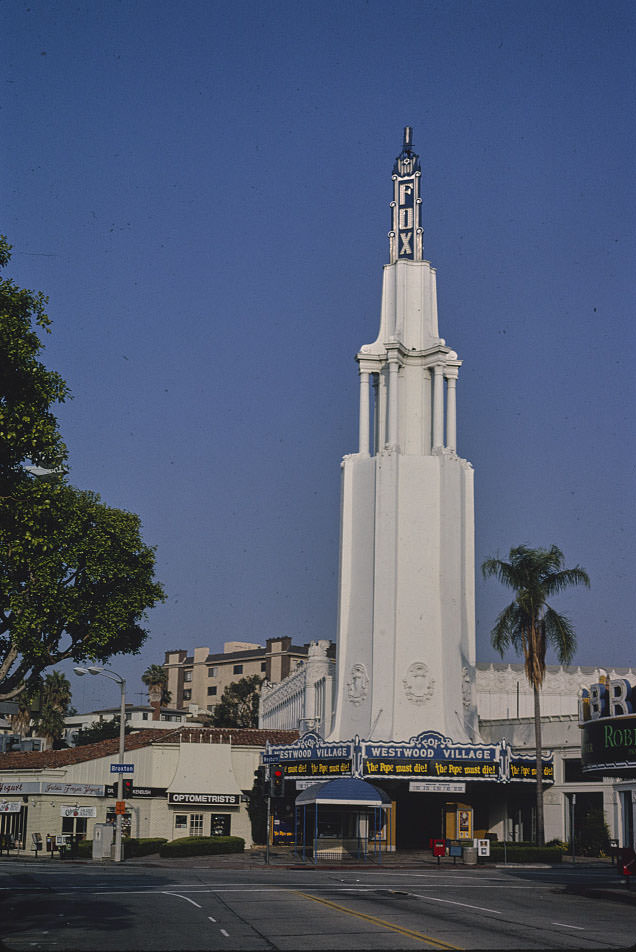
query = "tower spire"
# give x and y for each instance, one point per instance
(405, 237)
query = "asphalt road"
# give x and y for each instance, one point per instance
(82, 907)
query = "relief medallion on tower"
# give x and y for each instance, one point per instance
(418, 685)
(358, 684)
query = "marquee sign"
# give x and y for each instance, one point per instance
(429, 756)
(310, 748)
(609, 744)
(607, 719)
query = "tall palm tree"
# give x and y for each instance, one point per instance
(529, 625)
(156, 676)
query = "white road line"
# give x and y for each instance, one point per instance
(223, 932)
(211, 918)
(452, 902)
(177, 896)
(567, 925)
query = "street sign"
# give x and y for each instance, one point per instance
(120, 806)
(122, 768)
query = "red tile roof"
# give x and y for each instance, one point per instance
(239, 736)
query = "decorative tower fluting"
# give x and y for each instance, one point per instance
(406, 626)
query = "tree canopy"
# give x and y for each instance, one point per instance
(75, 576)
(238, 706)
(28, 427)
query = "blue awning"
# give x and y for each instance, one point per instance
(343, 791)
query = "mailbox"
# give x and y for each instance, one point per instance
(439, 848)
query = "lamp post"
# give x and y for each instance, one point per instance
(107, 673)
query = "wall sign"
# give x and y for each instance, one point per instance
(143, 792)
(78, 811)
(204, 799)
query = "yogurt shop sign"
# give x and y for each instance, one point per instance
(608, 722)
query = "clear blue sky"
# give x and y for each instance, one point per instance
(202, 190)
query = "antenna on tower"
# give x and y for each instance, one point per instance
(407, 145)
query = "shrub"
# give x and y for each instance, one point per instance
(199, 845)
(132, 847)
(143, 847)
(524, 853)
(593, 837)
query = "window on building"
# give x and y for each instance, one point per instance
(212, 672)
(212, 689)
(187, 675)
(220, 824)
(573, 772)
(187, 694)
(211, 707)
(263, 665)
(181, 821)
(237, 669)
(144, 716)
(196, 824)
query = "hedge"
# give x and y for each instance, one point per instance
(199, 845)
(520, 853)
(132, 846)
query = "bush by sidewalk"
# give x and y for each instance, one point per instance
(200, 845)
(132, 847)
(525, 853)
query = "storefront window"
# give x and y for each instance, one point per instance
(196, 824)
(181, 821)
(220, 824)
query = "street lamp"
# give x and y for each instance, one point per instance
(107, 673)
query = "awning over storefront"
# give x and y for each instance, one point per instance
(344, 790)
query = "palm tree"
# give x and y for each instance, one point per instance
(156, 677)
(55, 699)
(530, 625)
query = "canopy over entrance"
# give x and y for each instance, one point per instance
(343, 791)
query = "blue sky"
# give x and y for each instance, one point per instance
(202, 190)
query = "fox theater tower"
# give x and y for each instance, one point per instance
(399, 717)
(406, 635)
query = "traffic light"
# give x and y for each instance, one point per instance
(127, 789)
(276, 781)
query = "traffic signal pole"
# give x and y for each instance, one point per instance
(269, 812)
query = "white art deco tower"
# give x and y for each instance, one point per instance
(406, 627)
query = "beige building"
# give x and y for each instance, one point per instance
(185, 782)
(197, 681)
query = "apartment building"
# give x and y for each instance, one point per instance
(197, 680)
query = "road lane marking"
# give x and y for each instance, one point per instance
(177, 896)
(567, 925)
(211, 918)
(223, 932)
(436, 943)
(453, 902)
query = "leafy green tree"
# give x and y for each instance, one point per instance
(28, 428)
(238, 706)
(529, 625)
(156, 676)
(75, 576)
(99, 730)
(78, 587)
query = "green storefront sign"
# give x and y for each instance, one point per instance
(609, 744)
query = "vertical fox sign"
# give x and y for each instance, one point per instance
(406, 207)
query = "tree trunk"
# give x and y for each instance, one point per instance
(537, 740)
